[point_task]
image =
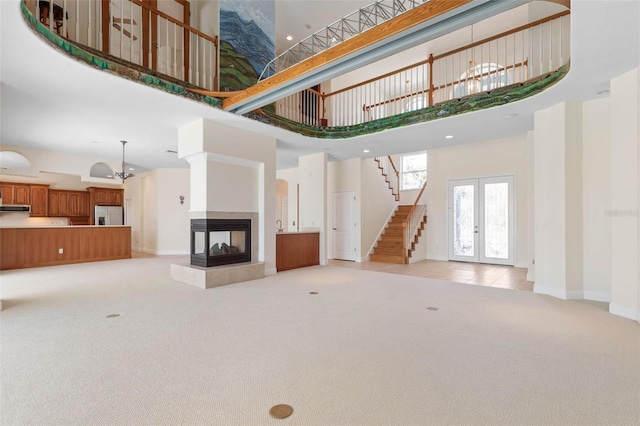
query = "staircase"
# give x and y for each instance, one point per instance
(390, 247)
(390, 174)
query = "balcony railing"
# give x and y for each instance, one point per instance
(343, 29)
(137, 32)
(512, 57)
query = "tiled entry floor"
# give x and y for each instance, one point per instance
(469, 273)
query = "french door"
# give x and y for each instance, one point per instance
(481, 220)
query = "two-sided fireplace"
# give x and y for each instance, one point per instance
(216, 242)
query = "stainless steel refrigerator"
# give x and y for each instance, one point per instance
(108, 215)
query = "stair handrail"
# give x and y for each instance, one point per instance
(412, 221)
(394, 185)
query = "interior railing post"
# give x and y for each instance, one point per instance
(430, 79)
(106, 18)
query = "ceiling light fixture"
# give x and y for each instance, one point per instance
(123, 175)
(289, 38)
(365, 150)
(449, 137)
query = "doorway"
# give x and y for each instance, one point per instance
(481, 220)
(344, 225)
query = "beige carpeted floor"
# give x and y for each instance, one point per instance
(365, 350)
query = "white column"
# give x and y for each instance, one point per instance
(312, 177)
(625, 162)
(558, 201)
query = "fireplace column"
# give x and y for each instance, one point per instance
(233, 175)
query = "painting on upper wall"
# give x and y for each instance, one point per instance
(247, 34)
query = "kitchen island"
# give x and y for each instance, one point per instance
(297, 250)
(27, 247)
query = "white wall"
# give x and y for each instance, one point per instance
(596, 193)
(499, 157)
(625, 186)
(173, 231)
(344, 176)
(232, 188)
(377, 205)
(291, 177)
(312, 178)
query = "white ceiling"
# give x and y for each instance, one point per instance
(52, 102)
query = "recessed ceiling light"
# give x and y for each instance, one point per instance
(365, 150)
(131, 168)
(109, 176)
(95, 142)
(449, 137)
(289, 38)
(513, 115)
(603, 92)
(170, 151)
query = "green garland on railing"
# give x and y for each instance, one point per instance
(496, 97)
(112, 64)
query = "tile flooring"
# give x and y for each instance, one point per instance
(500, 276)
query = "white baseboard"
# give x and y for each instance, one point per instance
(270, 271)
(166, 252)
(597, 296)
(417, 259)
(540, 289)
(621, 311)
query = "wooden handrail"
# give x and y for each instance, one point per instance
(451, 52)
(415, 203)
(442, 86)
(407, 221)
(188, 27)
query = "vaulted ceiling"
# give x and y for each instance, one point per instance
(52, 102)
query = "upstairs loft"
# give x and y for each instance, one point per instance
(501, 59)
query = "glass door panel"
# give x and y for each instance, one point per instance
(481, 220)
(462, 221)
(496, 211)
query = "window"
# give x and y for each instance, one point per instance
(414, 171)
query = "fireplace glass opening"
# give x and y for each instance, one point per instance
(217, 242)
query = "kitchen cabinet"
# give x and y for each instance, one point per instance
(69, 204)
(39, 195)
(7, 192)
(106, 196)
(22, 193)
(15, 193)
(297, 250)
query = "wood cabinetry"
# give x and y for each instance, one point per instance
(29, 247)
(21, 193)
(106, 196)
(73, 204)
(39, 200)
(15, 193)
(297, 250)
(7, 190)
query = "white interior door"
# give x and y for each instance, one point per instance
(481, 220)
(344, 225)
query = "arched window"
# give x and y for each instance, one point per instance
(481, 78)
(13, 160)
(101, 170)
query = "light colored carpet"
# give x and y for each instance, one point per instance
(364, 351)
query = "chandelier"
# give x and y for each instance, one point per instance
(123, 174)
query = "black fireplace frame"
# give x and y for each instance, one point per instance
(212, 225)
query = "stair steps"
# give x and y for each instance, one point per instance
(390, 248)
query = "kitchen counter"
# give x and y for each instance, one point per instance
(27, 247)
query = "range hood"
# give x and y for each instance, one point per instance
(14, 208)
